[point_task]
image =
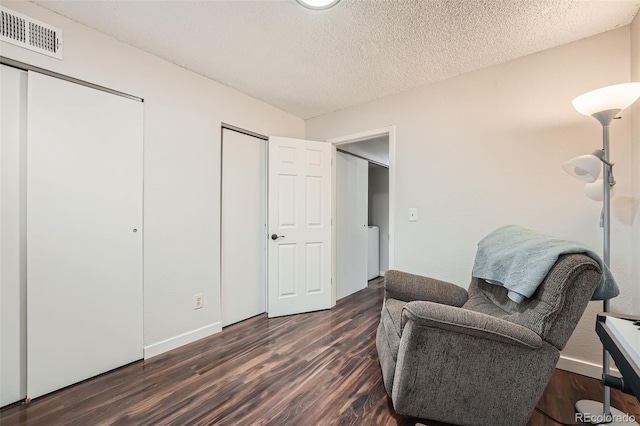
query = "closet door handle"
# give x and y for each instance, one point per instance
(276, 236)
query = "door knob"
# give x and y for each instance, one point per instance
(276, 236)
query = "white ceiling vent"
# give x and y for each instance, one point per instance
(29, 33)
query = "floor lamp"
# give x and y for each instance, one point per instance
(603, 105)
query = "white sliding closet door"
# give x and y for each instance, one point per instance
(13, 287)
(84, 233)
(244, 226)
(352, 185)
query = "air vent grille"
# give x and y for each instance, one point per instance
(29, 33)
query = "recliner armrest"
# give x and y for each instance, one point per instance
(409, 287)
(468, 322)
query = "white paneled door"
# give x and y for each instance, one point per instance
(84, 233)
(299, 247)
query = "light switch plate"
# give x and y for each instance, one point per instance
(413, 215)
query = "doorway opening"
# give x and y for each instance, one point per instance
(363, 208)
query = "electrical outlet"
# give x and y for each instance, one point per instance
(198, 301)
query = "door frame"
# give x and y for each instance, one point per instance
(363, 136)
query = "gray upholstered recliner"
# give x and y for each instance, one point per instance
(476, 357)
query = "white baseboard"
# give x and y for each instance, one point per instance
(382, 273)
(181, 340)
(584, 368)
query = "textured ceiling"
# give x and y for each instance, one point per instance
(311, 63)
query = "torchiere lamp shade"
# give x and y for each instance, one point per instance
(616, 97)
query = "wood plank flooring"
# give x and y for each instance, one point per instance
(319, 368)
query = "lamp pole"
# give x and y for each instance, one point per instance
(606, 253)
(603, 104)
(605, 118)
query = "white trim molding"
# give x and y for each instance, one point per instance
(361, 136)
(181, 340)
(583, 368)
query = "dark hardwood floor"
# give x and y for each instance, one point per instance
(319, 368)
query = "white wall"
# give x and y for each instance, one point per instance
(485, 149)
(183, 112)
(379, 209)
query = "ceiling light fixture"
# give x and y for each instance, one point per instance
(318, 4)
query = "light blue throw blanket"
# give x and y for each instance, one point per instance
(519, 259)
